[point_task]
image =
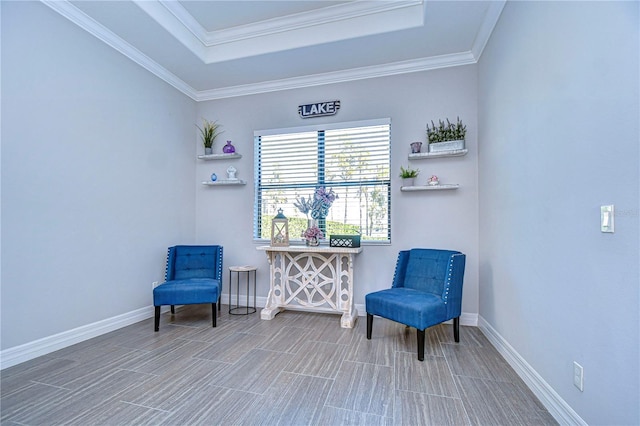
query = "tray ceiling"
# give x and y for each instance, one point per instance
(217, 49)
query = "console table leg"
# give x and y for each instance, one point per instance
(348, 319)
(271, 307)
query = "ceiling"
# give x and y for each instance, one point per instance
(218, 49)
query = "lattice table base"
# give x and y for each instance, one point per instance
(318, 279)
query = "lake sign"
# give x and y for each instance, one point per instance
(319, 109)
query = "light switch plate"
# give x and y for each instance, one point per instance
(578, 376)
(606, 218)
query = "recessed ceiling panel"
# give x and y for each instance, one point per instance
(221, 15)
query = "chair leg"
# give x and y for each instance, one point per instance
(420, 345)
(173, 309)
(213, 314)
(456, 329)
(369, 325)
(156, 325)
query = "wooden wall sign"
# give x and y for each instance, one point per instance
(319, 109)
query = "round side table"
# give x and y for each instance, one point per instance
(238, 270)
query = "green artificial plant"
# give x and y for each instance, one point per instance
(209, 132)
(408, 173)
(448, 131)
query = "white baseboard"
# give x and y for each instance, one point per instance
(18, 354)
(557, 407)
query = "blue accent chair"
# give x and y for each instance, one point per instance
(426, 290)
(193, 275)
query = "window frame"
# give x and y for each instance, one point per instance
(257, 216)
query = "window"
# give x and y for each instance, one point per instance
(352, 159)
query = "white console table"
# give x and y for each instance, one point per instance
(318, 279)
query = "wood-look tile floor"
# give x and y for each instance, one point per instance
(298, 369)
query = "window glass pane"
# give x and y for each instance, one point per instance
(352, 162)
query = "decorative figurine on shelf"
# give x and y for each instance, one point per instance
(228, 148)
(433, 180)
(214, 177)
(280, 230)
(231, 173)
(416, 147)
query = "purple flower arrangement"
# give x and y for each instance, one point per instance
(322, 201)
(313, 232)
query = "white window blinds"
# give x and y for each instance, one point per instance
(351, 159)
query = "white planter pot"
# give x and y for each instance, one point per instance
(446, 146)
(408, 181)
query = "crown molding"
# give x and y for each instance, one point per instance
(315, 18)
(324, 25)
(81, 19)
(486, 28)
(175, 19)
(395, 68)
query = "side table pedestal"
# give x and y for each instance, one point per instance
(237, 309)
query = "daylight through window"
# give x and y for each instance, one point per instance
(352, 159)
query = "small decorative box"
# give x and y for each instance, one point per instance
(344, 241)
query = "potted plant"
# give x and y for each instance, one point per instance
(209, 132)
(408, 175)
(446, 136)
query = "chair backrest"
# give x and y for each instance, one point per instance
(184, 262)
(429, 270)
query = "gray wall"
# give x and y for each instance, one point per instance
(558, 120)
(97, 177)
(438, 219)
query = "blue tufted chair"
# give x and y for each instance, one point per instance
(426, 290)
(193, 276)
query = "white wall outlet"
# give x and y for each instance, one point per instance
(606, 218)
(578, 376)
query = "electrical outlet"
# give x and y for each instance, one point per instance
(578, 376)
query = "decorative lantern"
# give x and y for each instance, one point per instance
(280, 230)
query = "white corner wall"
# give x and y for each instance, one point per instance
(435, 219)
(97, 177)
(558, 119)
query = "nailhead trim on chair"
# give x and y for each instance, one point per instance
(166, 266)
(446, 293)
(395, 272)
(220, 269)
(449, 277)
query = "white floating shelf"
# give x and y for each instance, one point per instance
(427, 155)
(219, 156)
(224, 182)
(440, 187)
